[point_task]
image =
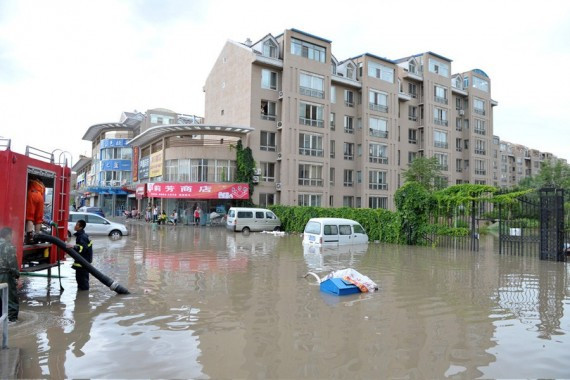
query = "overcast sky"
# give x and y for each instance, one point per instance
(66, 65)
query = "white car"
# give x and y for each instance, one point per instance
(96, 225)
(334, 231)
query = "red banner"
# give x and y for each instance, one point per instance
(140, 192)
(197, 190)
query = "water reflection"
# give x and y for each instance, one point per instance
(209, 303)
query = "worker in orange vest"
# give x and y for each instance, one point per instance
(34, 208)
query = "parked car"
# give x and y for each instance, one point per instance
(334, 231)
(94, 210)
(247, 219)
(96, 225)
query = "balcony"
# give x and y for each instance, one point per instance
(311, 181)
(378, 186)
(417, 75)
(348, 156)
(479, 111)
(480, 131)
(443, 168)
(378, 160)
(480, 172)
(268, 117)
(307, 91)
(440, 122)
(440, 144)
(311, 122)
(378, 133)
(459, 149)
(378, 107)
(311, 152)
(480, 151)
(439, 99)
(348, 103)
(403, 96)
(348, 130)
(412, 118)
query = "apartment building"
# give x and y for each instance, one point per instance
(329, 132)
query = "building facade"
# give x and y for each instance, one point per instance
(341, 133)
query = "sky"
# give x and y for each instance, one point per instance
(67, 65)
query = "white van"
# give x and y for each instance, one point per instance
(247, 219)
(334, 231)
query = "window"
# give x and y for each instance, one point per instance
(348, 151)
(378, 153)
(378, 202)
(329, 229)
(466, 82)
(358, 176)
(311, 145)
(161, 119)
(309, 200)
(480, 147)
(440, 94)
(458, 124)
(308, 50)
(480, 84)
(458, 167)
(412, 66)
(347, 178)
(348, 124)
(311, 114)
(412, 136)
(269, 49)
(358, 229)
(442, 161)
(438, 67)
(267, 141)
(266, 199)
(479, 106)
(350, 71)
(440, 139)
(267, 171)
(480, 168)
(458, 145)
(378, 101)
(377, 180)
(412, 90)
(479, 127)
(440, 116)
(333, 94)
(411, 157)
(331, 176)
(333, 149)
(199, 170)
(312, 85)
(333, 121)
(268, 110)
(347, 201)
(348, 98)
(268, 79)
(382, 72)
(412, 113)
(378, 127)
(310, 175)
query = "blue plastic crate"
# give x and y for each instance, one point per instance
(338, 287)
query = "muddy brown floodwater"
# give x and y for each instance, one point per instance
(209, 303)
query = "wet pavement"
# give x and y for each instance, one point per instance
(209, 303)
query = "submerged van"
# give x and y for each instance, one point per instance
(247, 219)
(334, 231)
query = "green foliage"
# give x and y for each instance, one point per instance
(424, 171)
(438, 229)
(245, 165)
(380, 224)
(413, 202)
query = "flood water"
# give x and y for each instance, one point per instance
(209, 303)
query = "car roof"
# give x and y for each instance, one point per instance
(333, 220)
(84, 213)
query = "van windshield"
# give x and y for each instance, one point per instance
(313, 228)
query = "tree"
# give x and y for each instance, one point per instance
(553, 173)
(424, 171)
(245, 165)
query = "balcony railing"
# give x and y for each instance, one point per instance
(312, 122)
(441, 100)
(378, 160)
(311, 152)
(480, 171)
(480, 151)
(311, 92)
(378, 186)
(377, 133)
(412, 118)
(348, 103)
(440, 122)
(349, 157)
(348, 130)
(440, 144)
(268, 117)
(444, 167)
(348, 183)
(377, 107)
(459, 149)
(311, 181)
(479, 111)
(412, 141)
(479, 131)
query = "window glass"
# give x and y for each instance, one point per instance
(358, 229)
(270, 215)
(232, 213)
(345, 230)
(93, 219)
(259, 214)
(330, 230)
(313, 228)
(245, 214)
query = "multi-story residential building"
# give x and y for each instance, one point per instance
(341, 133)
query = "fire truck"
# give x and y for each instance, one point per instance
(54, 170)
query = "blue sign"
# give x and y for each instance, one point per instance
(144, 167)
(114, 143)
(116, 165)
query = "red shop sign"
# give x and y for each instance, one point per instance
(140, 191)
(198, 190)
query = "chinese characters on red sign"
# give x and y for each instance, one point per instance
(198, 190)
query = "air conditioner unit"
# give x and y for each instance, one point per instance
(461, 112)
(255, 179)
(278, 186)
(257, 171)
(280, 96)
(279, 155)
(279, 124)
